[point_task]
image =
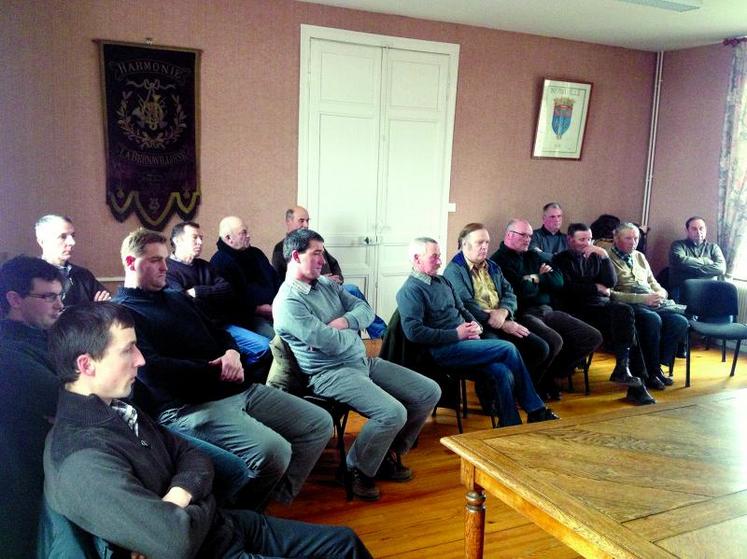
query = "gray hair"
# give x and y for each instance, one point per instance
(417, 246)
(624, 226)
(49, 219)
(551, 206)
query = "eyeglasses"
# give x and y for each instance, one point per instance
(522, 235)
(46, 297)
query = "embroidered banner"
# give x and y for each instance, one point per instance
(152, 132)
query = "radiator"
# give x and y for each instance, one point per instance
(742, 294)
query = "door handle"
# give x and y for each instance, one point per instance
(367, 241)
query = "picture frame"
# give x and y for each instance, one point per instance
(561, 119)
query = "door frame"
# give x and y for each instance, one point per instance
(309, 32)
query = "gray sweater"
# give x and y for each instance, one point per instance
(301, 313)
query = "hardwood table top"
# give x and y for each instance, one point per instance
(654, 481)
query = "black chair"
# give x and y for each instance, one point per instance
(584, 365)
(713, 307)
(452, 380)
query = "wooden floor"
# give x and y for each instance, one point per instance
(423, 518)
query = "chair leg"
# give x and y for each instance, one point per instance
(736, 356)
(461, 395)
(463, 390)
(723, 350)
(587, 364)
(340, 423)
(570, 381)
(687, 361)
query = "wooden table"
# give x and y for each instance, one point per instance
(654, 481)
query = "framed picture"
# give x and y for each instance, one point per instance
(561, 121)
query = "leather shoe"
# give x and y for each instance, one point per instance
(655, 382)
(623, 376)
(392, 469)
(667, 380)
(640, 396)
(542, 414)
(364, 487)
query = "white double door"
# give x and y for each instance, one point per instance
(375, 135)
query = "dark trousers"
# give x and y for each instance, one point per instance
(616, 322)
(569, 338)
(264, 536)
(534, 351)
(659, 334)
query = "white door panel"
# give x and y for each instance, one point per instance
(375, 129)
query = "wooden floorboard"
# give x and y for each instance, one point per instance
(423, 518)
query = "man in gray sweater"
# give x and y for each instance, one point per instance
(320, 322)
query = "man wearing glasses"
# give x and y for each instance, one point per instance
(535, 283)
(30, 291)
(56, 237)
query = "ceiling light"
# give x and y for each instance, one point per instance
(672, 5)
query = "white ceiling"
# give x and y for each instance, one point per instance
(607, 22)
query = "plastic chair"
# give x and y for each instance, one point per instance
(713, 307)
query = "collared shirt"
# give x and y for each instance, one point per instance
(425, 278)
(486, 295)
(624, 256)
(128, 413)
(302, 286)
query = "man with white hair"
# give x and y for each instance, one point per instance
(253, 279)
(658, 320)
(434, 316)
(56, 237)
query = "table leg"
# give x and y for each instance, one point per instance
(474, 525)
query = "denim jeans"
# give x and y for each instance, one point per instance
(252, 345)
(659, 335)
(279, 436)
(396, 401)
(262, 536)
(378, 326)
(500, 360)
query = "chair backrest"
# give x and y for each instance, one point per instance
(710, 300)
(285, 374)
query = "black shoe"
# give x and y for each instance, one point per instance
(639, 396)
(542, 414)
(622, 376)
(364, 487)
(655, 382)
(392, 469)
(667, 380)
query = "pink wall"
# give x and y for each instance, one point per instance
(691, 120)
(51, 140)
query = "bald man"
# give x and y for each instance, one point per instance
(298, 218)
(253, 279)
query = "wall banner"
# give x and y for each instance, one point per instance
(152, 131)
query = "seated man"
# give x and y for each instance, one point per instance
(115, 473)
(486, 294)
(56, 237)
(432, 315)
(30, 297)
(549, 240)
(694, 257)
(659, 325)
(320, 321)
(535, 283)
(189, 273)
(197, 385)
(588, 279)
(298, 218)
(253, 279)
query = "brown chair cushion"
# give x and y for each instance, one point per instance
(285, 373)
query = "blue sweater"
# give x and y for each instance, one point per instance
(431, 313)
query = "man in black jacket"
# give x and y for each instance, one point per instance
(197, 384)
(253, 279)
(197, 278)
(115, 473)
(588, 277)
(56, 237)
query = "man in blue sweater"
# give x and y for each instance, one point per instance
(197, 384)
(320, 321)
(434, 316)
